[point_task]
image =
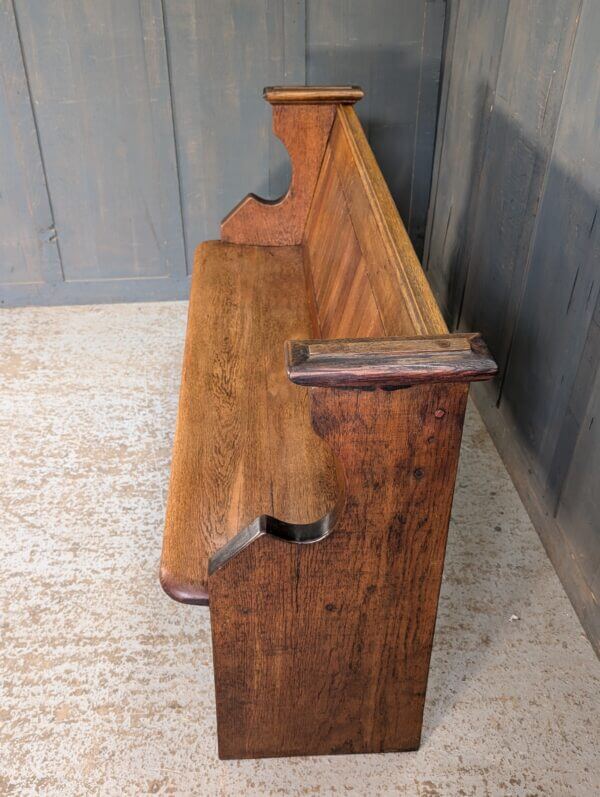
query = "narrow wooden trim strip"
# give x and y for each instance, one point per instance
(388, 362)
(313, 95)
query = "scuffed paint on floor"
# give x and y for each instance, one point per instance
(106, 684)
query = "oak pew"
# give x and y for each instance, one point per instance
(320, 417)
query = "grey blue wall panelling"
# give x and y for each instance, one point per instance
(221, 56)
(100, 90)
(28, 251)
(393, 50)
(520, 133)
(477, 29)
(131, 127)
(522, 262)
(578, 502)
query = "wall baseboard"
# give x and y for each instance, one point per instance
(111, 291)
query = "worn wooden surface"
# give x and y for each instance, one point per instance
(388, 362)
(324, 648)
(304, 130)
(367, 279)
(338, 281)
(514, 248)
(244, 445)
(319, 95)
(149, 133)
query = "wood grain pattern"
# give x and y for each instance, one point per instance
(336, 269)
(388, 362)
(244, 445)
(313, 95)
(324, 648)
(404, 298)
(304, 130)
(366, 278)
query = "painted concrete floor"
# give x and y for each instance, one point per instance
(106, 684)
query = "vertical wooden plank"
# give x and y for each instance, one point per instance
(221, 56)
(381, 46)
(28, 250)
(434, 14)
(478, 40)
(521, 132)
(99, 81)
(573, 421)
(448, 41)
(579, 507)
(562, 283)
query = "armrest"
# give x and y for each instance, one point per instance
(313, 95)
(388, 362)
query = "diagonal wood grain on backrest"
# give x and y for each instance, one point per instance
(365, 275)
(343, 297)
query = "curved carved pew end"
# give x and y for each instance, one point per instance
(302, 119)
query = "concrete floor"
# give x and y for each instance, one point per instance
(106, 684)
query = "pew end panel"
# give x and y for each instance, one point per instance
(324, 648)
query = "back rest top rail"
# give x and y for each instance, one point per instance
(313, 95)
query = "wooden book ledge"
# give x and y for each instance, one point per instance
(320, 416)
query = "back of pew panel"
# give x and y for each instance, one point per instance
(366, 277)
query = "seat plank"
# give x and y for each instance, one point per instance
(244, 445)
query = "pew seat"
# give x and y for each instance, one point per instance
(244, 444)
